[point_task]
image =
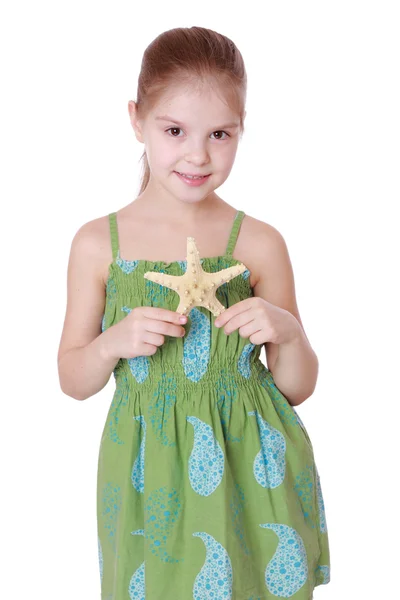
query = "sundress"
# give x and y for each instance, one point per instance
(207, 486)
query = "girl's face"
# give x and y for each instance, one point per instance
(190, 132)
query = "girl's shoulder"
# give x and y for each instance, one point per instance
(260, 246)
(91, 244)
(263, 230)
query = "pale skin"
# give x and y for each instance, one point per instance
(155, 226)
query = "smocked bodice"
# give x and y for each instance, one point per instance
(205, 350)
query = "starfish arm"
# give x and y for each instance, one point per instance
(234, 271)
(170, 281)
(220, 277)
(182, 307)
(193, 257)
(216, 307)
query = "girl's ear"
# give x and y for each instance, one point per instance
(132, 109)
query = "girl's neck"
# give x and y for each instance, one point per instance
(151, 205)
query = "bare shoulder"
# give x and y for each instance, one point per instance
(260, 244)
(89, 255)
(92, 243)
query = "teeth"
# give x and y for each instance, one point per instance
(191, 176)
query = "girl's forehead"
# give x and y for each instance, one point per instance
(187, 104)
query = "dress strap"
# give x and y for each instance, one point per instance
(114, 234)
(234, 232)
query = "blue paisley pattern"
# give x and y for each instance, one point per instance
(287, 570)
(206, 462)
(196, 349)
(137, 476)
(305, 489)
(244, 360)
(127, 266)
(162, 511)
(214, 580)
(111, 501)
(269, 464)
(136, 588)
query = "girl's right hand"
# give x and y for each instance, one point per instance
(142, 331)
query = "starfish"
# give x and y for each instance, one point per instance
(196, 287)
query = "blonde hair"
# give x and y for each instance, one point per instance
(192, 57)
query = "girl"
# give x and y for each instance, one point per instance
(207, 484)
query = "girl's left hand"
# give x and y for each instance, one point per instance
(260, 321)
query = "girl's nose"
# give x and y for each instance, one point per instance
(197, 156)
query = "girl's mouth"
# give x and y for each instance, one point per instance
(191, 180)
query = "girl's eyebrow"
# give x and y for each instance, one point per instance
(167, 118)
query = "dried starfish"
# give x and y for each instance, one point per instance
(196, 287)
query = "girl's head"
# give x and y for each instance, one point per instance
(190, 110)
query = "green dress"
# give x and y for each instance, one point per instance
(207, 488)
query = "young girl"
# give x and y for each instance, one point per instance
(207, 484)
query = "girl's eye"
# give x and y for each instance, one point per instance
(179, 129)
(227, 134)
(174, 129)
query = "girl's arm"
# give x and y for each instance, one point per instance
(294, 365)
(83, 365)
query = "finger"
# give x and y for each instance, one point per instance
(258, 337)
(164, 328)
(163, 314)
(238, 321)
(153, 338)
(250, 330)
(232, 311)
(149, 349)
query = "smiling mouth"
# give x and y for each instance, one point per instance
(192, 176)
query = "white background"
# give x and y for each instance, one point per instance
(319, 160)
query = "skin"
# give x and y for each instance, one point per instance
(155, 227)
